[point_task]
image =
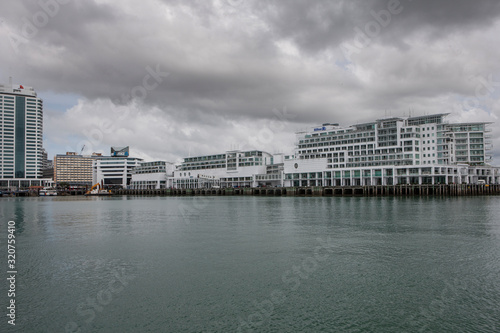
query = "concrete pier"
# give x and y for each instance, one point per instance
(318, 191)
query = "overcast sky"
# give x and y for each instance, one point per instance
(178, 78)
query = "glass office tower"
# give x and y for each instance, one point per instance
(21, 135)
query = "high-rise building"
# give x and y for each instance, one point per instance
(21, 136)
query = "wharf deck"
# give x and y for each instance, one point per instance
(319, 191)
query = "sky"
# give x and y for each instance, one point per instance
(173, 78)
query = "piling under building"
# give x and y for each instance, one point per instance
(317, 191)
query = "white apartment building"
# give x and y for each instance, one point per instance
(21, 137)
(152, 175)
(232, 169)
(390, 151)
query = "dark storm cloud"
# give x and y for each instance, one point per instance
(104, 52)
(214, 63)
(319, 25)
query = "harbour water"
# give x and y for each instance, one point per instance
(261, 264)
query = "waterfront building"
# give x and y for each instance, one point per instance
(231, 169)
(73, 169)
(21, 137)
(152, 175)
(114, 171)
(390, 151)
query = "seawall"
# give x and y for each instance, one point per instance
(380, 190)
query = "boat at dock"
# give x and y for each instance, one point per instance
(47, 191)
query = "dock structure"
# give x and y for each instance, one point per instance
(318, 191)
(450, 190)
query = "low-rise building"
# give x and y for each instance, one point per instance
(152, 175)
(114, 171)
(231, 169)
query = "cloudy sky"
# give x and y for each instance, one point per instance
(177, 78)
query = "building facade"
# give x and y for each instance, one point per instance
(73, 169)
(152, 175)
(391, 151)
(388, 151)
(114, 171)
(231, 169)
(21, 137)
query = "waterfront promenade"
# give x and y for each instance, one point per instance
(386, 190)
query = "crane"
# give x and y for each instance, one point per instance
(81, 151)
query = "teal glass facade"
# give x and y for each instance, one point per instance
(20, 138)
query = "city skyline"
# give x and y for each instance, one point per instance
(221, 75)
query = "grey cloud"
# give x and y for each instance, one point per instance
(323, 24)
(239, 62)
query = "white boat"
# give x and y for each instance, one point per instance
(47, 191)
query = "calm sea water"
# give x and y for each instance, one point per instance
(262, 264)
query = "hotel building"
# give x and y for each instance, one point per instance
(73, 169)
(391, 151)
(21, 137)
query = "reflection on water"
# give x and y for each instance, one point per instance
(215, 264)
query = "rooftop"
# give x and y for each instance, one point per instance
(17, 89)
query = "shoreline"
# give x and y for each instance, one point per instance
(329, 191)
